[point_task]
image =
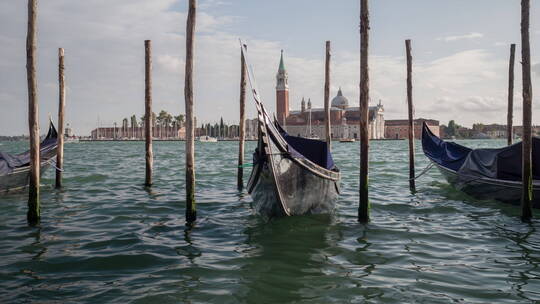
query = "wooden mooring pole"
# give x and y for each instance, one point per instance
(509, 124)
(34, 212)
(148, 111)
(412, 185)
(363, 208)
(526, 194)
(327, 123)
(61, 105)
(240, 175)
(191, 210)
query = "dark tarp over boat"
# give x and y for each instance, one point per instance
(14, 168)
(312, 149)
(291, 175)
(483, 173)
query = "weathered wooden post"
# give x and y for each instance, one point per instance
(191, 210)
(363, 209)
(509, 124)
(412, 185)
(327, 122)
(61, 105)
(148, 111)
(34, 211)
(526, 195)
(242, 135)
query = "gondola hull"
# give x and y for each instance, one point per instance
(481, 173)
(19, 178)
(301, 190)
(284, 185)
(291, 175)
(486, 188)
(15, 169)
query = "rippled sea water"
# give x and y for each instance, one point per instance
(104, 238)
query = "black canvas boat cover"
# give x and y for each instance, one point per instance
(314, 150)
(9, 162)
(503, 163)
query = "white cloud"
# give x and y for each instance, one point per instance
(212, 3)
(105, 68)
(536, 69)
(470, 36)
(482, 104)
(170, 63)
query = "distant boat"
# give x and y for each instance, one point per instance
(15, 168)
(291, 175)
(207, 139)
(483, 173)
(347, 140)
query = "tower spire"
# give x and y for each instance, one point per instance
(282, 92)
(281, 64)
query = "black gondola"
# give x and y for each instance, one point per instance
(483, 173)
(291, 175)
(15, 169)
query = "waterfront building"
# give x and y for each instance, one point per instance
(252, 128)
(137, 133)
(309, 121)
(399, 128)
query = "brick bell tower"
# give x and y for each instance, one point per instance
(282, 92)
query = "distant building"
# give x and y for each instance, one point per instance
(399, 128)
(68, 132)
(252, 129)
(309, 121)
(138, 133)
(491, 131)
(518, 131)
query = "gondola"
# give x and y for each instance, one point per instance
(15, 169)
(483, 173)
(291, 175)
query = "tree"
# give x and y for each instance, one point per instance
(180, 119)
(124, 127)
(162, 117)
(478, 127)
(216, 130)
(453, 128)
(221, 128)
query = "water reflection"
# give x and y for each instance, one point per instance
(285, 259)
(521, 262)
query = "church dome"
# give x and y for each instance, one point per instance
(340, 101)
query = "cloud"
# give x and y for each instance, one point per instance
(170, 63)
(105, 68)
(481, 104)
(212, 3)
(536, 69)
(470, 36)
(105, 60)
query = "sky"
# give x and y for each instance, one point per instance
(460, 57)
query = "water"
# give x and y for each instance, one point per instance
(104, 238)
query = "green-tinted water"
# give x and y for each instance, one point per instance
(104, 238)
